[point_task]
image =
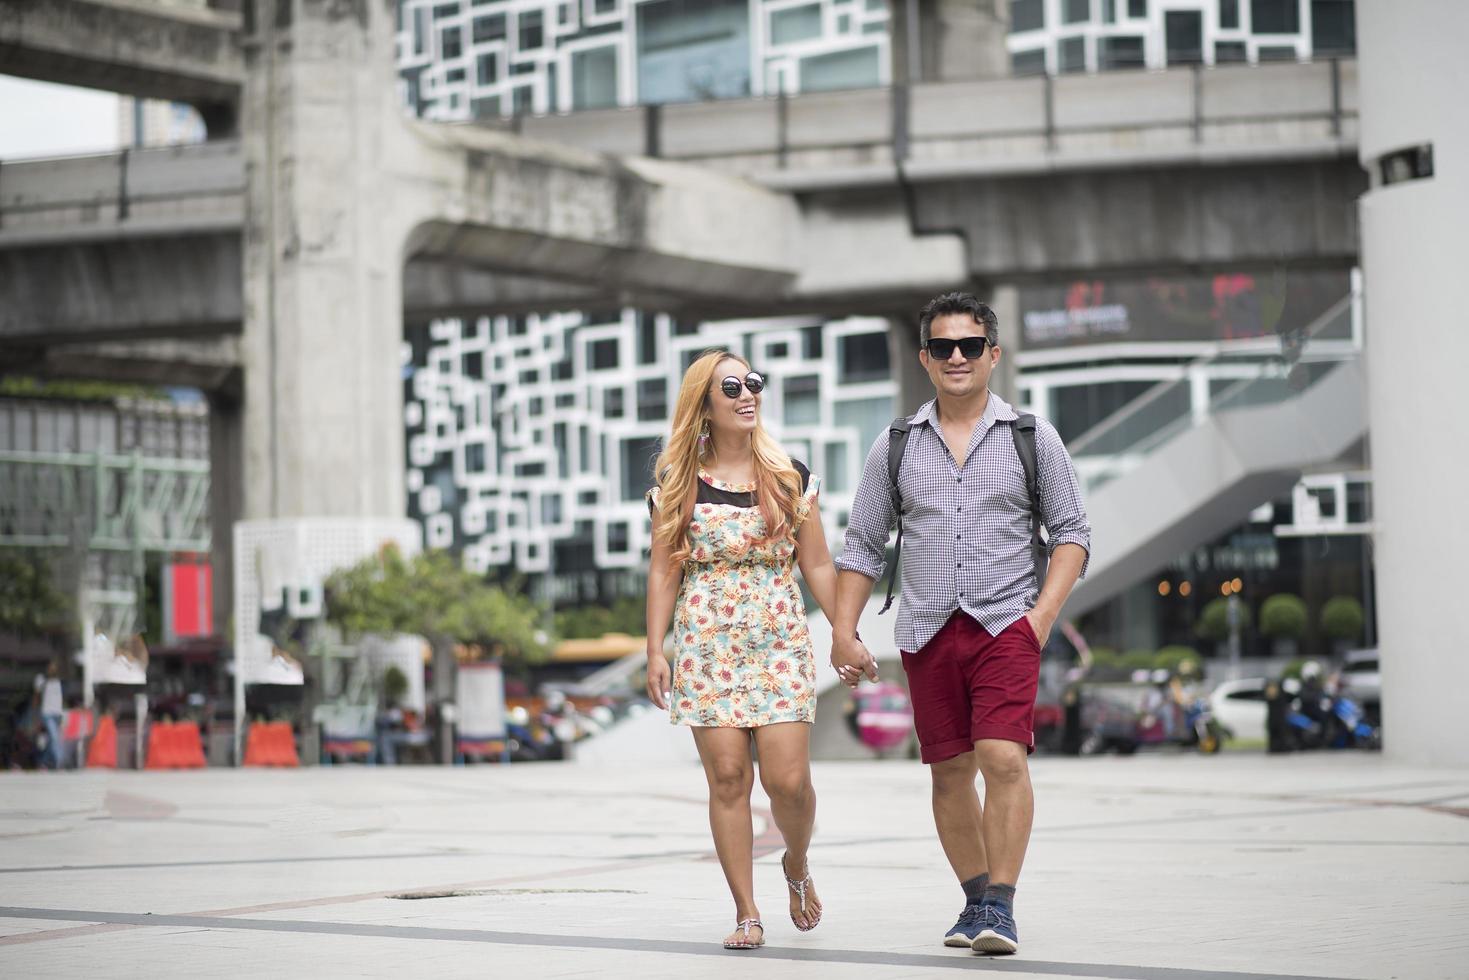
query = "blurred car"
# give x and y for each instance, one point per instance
(1240, 707)
(1362, 676)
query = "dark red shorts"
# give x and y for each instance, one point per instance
(967, 685)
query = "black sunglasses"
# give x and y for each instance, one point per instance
(731, 385)
(942, 348)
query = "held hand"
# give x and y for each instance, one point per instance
(852, 661)
(659, 680)
(1040, 624)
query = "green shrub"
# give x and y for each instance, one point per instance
(1283, 616)
(1213, 624)
(1174, 659)
(1137, 660)
(1342, 618)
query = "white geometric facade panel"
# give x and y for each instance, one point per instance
(538, 433)
(478, 59)
(1061, 36)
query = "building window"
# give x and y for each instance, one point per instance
(1230, 53)
(602, 354)
(795, 24)
(531, 30)
(612, 403)
(1183, 33)
(1114, 53)
(652, 400)
(489, 28)
(1028, 62)
(1333, 28)
(1228, 13)
(1275, 16)
(1277, 52)
(835, 474)
(858, 68)
(452, 44)
(1027, 15)
(488, 69)
(617, 537)
(1109, 11)
(802, 400)
(1071, 54)
(1076, 11)
(594, 78)
(811, 342)
(1137, 8)
(863, 357)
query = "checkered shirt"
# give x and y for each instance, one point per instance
(966, 531)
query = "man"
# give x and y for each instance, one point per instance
(971, 619)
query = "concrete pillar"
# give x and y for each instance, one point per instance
(1413, 75)
(1005, 301)
(957, 39)
(323, 427)
(914, 385)
(226, 493)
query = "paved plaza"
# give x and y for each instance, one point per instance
(1162, 868)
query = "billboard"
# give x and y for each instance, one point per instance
(1224, 306)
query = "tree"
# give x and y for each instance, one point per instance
(1283, 617)
(1342, 618)
(624, 615)
(433, 596)
(30, 603)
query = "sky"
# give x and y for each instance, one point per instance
(41, 119)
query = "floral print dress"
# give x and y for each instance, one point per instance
(742, 652)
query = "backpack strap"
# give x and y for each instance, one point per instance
(898, 432)
(1022, 430)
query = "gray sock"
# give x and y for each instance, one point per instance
(1001, 895)
(974, 888)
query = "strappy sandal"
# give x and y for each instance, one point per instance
(799, 887)
(745, 925)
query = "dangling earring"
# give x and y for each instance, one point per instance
(704, 436)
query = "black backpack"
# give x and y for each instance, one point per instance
(1022, 430)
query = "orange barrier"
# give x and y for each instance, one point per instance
(102, 752)
(174, 745)
(270, 743)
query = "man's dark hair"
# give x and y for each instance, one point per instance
(963, 303)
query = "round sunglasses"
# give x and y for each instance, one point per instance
(731, 385)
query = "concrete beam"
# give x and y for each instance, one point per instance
(1151, 221)
(177, 287)
(142, 47)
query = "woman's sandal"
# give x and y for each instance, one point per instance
(745, 925)
(799, 887)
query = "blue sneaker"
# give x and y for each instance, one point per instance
(997, 932)
(966, 929)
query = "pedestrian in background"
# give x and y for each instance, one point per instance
(972, 617)
(52, 709)
(731, 513)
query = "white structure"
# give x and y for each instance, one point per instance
(1415, 139)
(462, 60)
(529, 433)
(1059, 36)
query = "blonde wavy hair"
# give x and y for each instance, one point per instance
(777, 483)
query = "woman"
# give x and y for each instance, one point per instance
(731, 514)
